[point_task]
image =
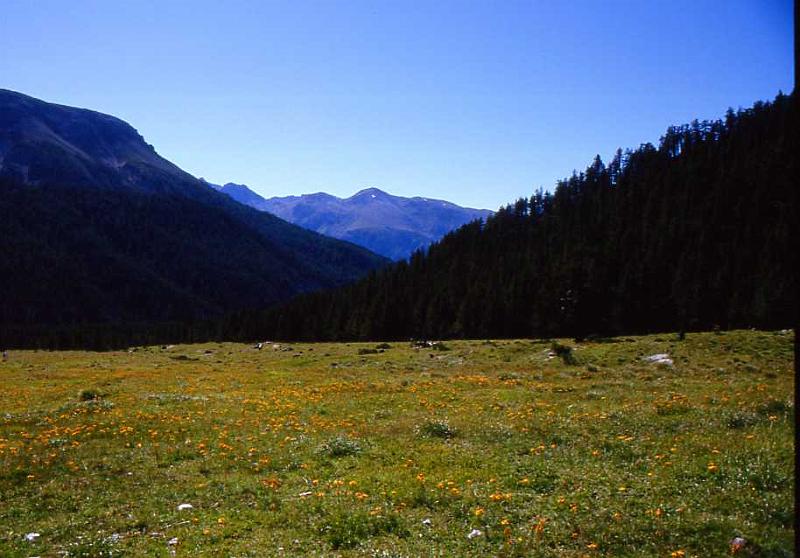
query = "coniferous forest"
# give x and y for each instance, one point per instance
(695, 233)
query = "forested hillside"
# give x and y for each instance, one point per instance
(693, 233)
(100, 234)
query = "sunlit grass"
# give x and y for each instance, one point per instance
(333, 449)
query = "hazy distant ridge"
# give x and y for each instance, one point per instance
(392, 226)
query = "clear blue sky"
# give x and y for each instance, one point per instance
(476, 102)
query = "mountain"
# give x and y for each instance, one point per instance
(96, 227)
(695, 233)
(389, 225)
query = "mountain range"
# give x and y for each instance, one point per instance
(96, 227)
(392, 226)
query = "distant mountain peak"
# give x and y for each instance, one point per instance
(371, 193)
(392, 226)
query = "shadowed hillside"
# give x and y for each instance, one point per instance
(96, 227)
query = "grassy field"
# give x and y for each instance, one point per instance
(374, 450)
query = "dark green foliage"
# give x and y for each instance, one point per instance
(564, 352)
(340, 446)
(694, 233)
(437, 429)
(88, 394)
(775, 407)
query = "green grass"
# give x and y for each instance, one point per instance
(332, 450)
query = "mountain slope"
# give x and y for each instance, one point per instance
(385, 224)
(695, 233)
(95, 226)
(54, 145)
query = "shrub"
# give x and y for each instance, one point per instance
(741, 419)
(437, 429)
(340, 446)
(564, 352)
(88, 395)
(775, 407)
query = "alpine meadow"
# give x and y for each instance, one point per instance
(316, 279)
(464, 448)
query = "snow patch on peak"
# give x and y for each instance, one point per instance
(373, 193)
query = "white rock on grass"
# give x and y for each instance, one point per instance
(173, 541)
(427, 522)
(474, 533)
(657, 356)
(182, 507)
(30, 537)
(660, 358)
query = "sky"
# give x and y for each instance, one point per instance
(476, 102)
